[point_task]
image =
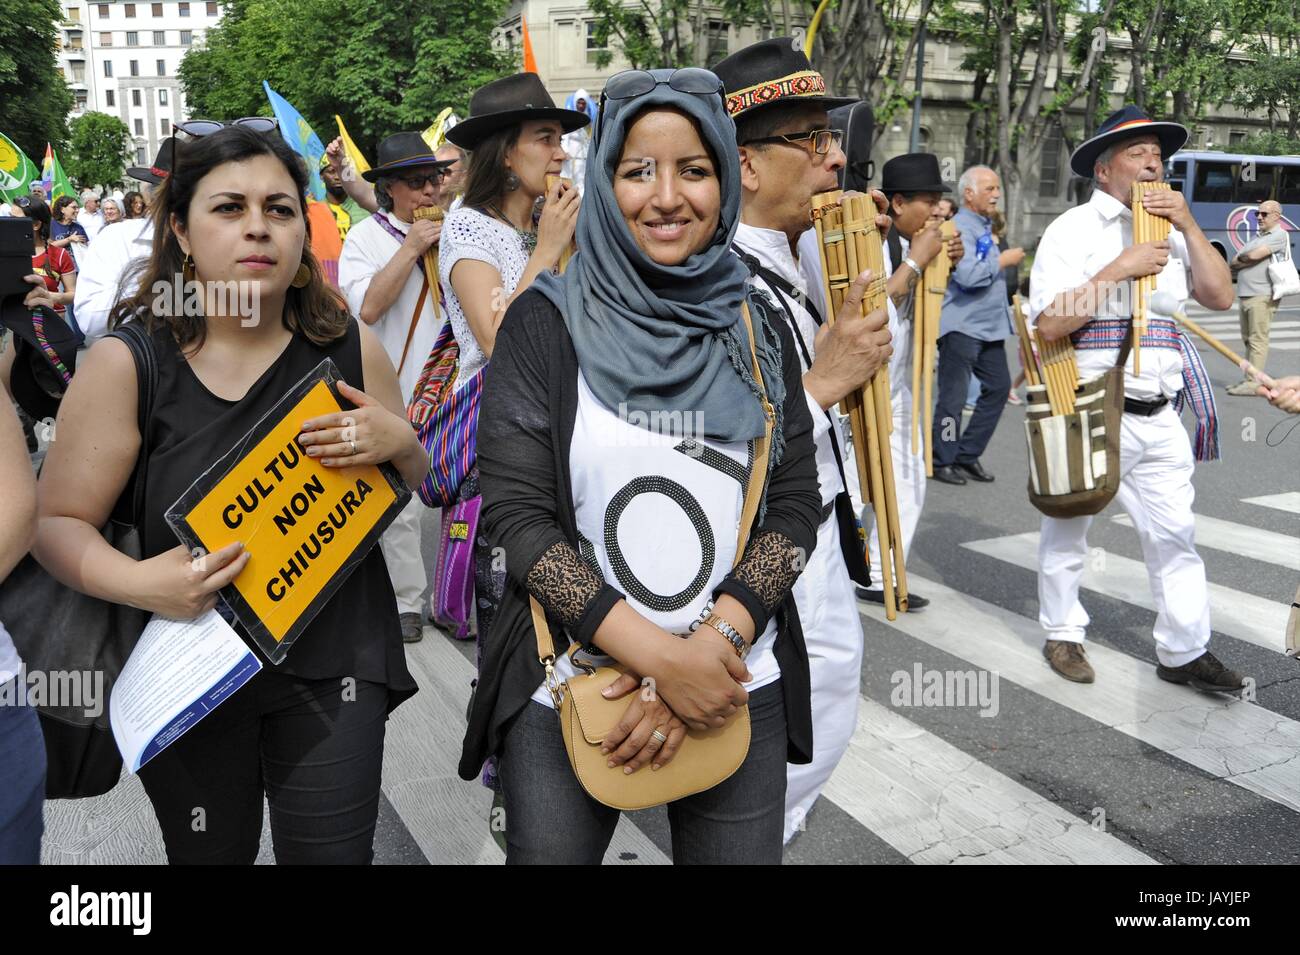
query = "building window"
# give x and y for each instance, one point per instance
(140, 158)
(156, 9)
(162, 67)
(594, 49)
(74, 14)
(1049, 166)
(135, 98)
(135, 67)
(106, 39)
(162, 97)
(187, 37)
(165, 126)
(108, 67)
(212, 9)
(109, 98)
(78, 73)
(129, 8)
(159, 38)
(1236, 136)
(139, 127)
(103, 11)
(132, 38)
(81, 101)
(183, 9)
(718, 37)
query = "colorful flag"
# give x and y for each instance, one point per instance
(16, 170)
(301, 137)
(54, 181)
(350, 148)
(530, 61)
(436, 133)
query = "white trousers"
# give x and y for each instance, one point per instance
(401, 547)
(1156, 466)
(828, 613)
(909, 480)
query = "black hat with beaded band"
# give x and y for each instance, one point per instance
(507, 102)
(912, 172)
(162, 164)
(1123, 124)
(773, 71)
(403, 151)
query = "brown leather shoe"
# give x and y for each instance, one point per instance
(1066, 658)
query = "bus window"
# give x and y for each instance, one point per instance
(1213, 182)
(1254, 183)
(1176, 185)
(1178, 169)
(1288, 185)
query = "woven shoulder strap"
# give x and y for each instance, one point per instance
(748, 510)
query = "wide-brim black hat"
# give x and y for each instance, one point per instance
(773, 71)
(162, 164)
(1125, 124)
(508, 102)
(403, 151)
(912, 172)
(35, 382)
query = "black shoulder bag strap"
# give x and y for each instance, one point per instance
(852, 536)
(139, 341)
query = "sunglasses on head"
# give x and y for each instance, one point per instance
(633, 83)
(206, 127)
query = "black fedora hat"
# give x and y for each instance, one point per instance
(773, 71)
(507, 101)
(162, 164)
(912, 172)
(402, 151)
(1125, 124)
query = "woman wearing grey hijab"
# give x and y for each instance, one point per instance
(615, 439)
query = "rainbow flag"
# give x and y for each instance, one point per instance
(54, 181)
(301, 137)
(16, 171)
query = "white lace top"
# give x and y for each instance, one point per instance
(470, 234)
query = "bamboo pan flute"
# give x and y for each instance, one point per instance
(567, 253)
(1146, 228)
(435, 214)
(1057, 371)
(849, 242)
(926, 306)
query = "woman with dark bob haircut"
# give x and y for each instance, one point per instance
(308, 734)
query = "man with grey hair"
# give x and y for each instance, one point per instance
(90, 218)
(972, 329)
(454, 183)
(1255, 291)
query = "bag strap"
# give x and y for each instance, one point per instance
(146, 369)
(748, 510)
(415, 320)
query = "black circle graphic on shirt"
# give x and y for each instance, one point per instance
(656, 484)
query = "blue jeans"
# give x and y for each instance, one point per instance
(22, 792)
(550, 819)
(959, 356)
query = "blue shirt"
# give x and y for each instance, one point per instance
(976, 301)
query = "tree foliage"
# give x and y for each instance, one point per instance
(98, 151)
(34, 97)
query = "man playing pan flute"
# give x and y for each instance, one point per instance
(788, 152)
(1081, 287)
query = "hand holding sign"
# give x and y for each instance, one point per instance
(368, 434)
(178, 585)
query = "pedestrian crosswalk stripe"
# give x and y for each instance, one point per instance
(1231, 739)
(936, 804)
(1288, 501)
(1232, 612)
(447, 816)
(1283, 550)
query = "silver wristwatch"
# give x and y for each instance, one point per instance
(731, 633)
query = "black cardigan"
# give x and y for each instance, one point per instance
(525, 430)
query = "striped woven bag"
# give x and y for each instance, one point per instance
(446, 420)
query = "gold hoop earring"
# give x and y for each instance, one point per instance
(301, 278)
(187, 268)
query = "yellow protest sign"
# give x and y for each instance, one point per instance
(305, 526)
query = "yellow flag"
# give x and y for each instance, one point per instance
(354, 154)
(436, 135)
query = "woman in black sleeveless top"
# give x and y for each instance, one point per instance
(308, 734)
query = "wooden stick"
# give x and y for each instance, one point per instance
(431, 259)
(1249, 370)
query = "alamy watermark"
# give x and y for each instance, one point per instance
(177, 297)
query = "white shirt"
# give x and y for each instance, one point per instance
(1077, 245)
(901, 327)
(103, 269)
(367, 249)
(10, 664)
(469, 234)
(657, 523)
(92, 222)
(772, 249)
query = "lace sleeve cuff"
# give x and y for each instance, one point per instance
(571, 591)
(764, 577)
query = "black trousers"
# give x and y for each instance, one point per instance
(315, 748)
